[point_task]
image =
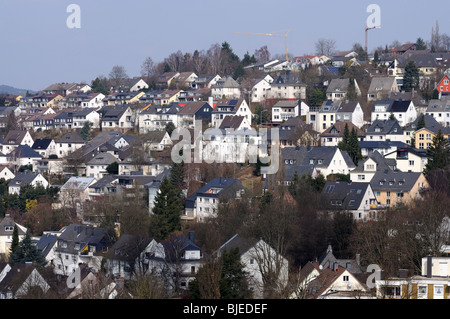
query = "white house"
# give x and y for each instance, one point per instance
(260, 89)
(326, 160)
(338, 89)
(6, 233)
(226, 88)
(6, 173)
(225, 107)
(204, 203)
(79, 117)
(258, 259)
(284, 110)
(14, 138)
(403, 110)
(26, 178)
(96, 167)
(129, 256)
(68, 143)
(356, 198)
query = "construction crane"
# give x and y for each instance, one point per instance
(367, 29)
(272, 35)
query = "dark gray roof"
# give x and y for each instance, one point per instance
(237, 242)
(82, 235)
(338, 85)
(394, 106)
(383, 127)
(430, 124)
(41, 143)
(71, 137)
(394, 181)
(102, 158)
(46, 242)
(23, 178)
(381, 84)
(310, 155)
(342, 195)
(23, 151)
(128, 247)
(382, 162)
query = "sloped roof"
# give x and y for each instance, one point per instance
(23, 151)
(23, 178)
(192, 107)
(237, 241)
(41, 143)
(338, 128)
(78, 183)
(394, 181)
(15, 278)
(382, 162)
(14, 136)
(304, 154)
(231, 121)
(349, 194)
(71, 137)
(384, 127)
(338, 85)
(381, 84)
(8, 221)
(102, 158)
(46, 242)
(128, 247)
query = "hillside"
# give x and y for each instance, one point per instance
(12, 90)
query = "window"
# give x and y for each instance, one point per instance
(345, 278)
(421, 137)
(392, 292)
(400, 194)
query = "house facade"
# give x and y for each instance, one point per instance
(258, 258)
(397, 188)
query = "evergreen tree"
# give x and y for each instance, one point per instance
(411, 77)
(85, 131)
(351, 90)
(27, 252)
(420, 122)
(233, 282)
(15, 240)
(350, 144)
(167, 209)
(438, 153)
(420, 44)
(343, 145)
(100, 85)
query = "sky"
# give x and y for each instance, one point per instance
(37, 48)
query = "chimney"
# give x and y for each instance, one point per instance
(358, 259)
(335, 266)
(429, 266)
(192, 236)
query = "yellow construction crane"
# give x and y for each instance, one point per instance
(272, 35)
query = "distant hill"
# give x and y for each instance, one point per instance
(11, 90)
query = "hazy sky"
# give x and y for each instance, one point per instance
(38, 49)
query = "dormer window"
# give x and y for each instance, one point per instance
(9, 228)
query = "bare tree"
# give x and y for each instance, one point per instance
(325, 47)
(216, 57)
(175, 61)
(148, 69)
(117, 75)
(262, 54)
